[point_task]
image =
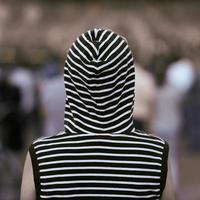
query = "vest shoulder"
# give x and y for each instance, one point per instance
(48, 138)
(151, 137)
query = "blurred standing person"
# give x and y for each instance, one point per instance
(10, 116)
(167, 120)
(11, 141)
(24, 80)
(191, 110)
(52, 96)
(145, 99)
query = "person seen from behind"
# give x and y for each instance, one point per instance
(100, 155)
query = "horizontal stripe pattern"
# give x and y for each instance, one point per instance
(100, 155)
(99, 77)
(127, 166)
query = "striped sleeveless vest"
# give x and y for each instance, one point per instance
(100, 155)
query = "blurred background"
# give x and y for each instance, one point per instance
(165, 39)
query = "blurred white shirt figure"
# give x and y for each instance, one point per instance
(52, 94)
(180, 75)
(145, 90)
(167, 120)
(23, 79)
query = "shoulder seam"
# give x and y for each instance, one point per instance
(47, 137)
(150, 136)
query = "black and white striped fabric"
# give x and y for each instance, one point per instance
(100, 155)
(99, 81)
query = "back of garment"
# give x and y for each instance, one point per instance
(100, 155)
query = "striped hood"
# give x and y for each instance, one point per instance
(99, 80)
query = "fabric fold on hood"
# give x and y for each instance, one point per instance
(99, 78)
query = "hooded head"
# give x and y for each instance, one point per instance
(99, 80)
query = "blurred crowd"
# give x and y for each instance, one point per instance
(31, 105)
(167, 104)
(167, 101)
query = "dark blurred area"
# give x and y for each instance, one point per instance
(164, 36)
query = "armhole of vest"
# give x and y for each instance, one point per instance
(164, 168)
(35, 170)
